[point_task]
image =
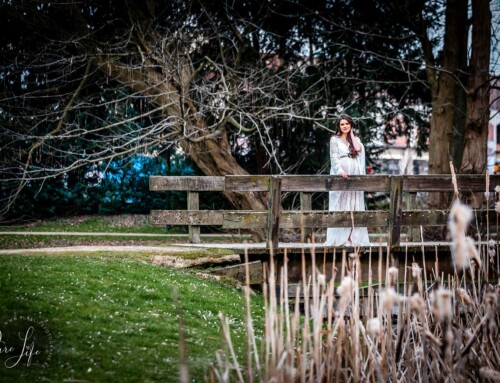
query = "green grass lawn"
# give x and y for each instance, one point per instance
(125, 223)
(113, 224)
(8, 241)
(112, 319)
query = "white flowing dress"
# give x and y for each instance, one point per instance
(346, 200)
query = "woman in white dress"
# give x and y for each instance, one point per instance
(347, 156)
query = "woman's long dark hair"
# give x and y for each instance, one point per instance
(352, 152)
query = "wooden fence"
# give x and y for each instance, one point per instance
(274, 219)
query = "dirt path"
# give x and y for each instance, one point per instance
(118, 248)
(115, 234)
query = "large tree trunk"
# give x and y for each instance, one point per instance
(214, 158)
(458, 131)
(210, 150)
(478, 113)
(444, 95)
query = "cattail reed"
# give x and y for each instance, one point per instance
(442, 304)
(393, 276)
(440, 328)
(463, 247)
(497, 207)
(374, 327)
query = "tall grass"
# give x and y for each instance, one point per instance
(417, 326)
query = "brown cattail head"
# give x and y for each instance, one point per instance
(322, 280)
(491, 303)
(393, 275)
(488, 374)
(442, 304)
(464, 297)
(388, 297)
(460, 216)
(374, 327)
(433, 339)
(417, 303)
(497, 207)
(460, 252)
(472, 250)
(492, 246)
(463, 247)
(346, 288)
(416, 271)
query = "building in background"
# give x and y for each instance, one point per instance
(399, 157)
(494, 131)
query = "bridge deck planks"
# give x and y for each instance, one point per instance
(295, 247)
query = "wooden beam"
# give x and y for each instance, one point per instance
(443, 182)
(395, 211)
(309, 183)
(273, 216)
(244, 219)
(193, 204)
(184, 217)
(440, 217)
(324, 219)
(371, 183)
(413, 232)
(322, 183)
(186, 183)
(247, 183)
(306, 219)
(315, 219)
(305, 205)
(425, 217)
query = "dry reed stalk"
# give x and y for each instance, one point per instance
(289, 340)
(436, 260)
(251, 341)
(355, 320)
(183, 365)
(222, 373)
(304, 341)
(449, 334)
(487, 194)
(454, 180)
(343, 265)
(370, 294)
(324, 261)
(281, 326)
(380, 257)
(265, 293)
(229, 343)
(212, 373)
(270, 333)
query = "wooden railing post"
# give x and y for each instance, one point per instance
(413, 231)
(193, 201)
(395, 211)
(273, 215)
(305, 204)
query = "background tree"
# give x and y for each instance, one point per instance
(459, 83)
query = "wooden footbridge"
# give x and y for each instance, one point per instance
(401, 216)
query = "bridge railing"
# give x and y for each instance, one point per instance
(274, 218)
